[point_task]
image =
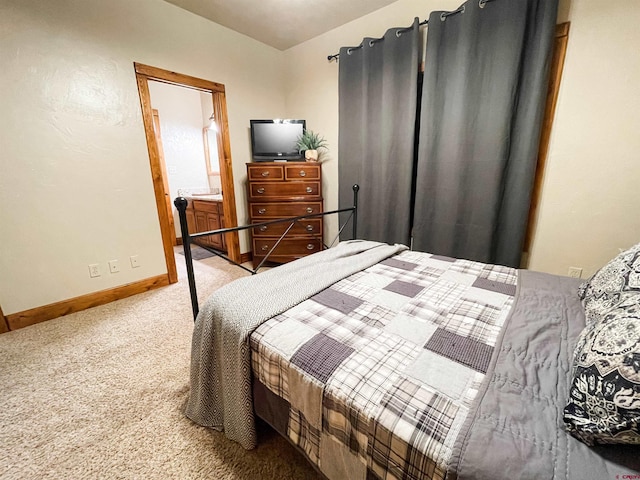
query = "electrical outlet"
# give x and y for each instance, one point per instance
(114, 266)
(94, 270)
(575, 272)
(135, 261)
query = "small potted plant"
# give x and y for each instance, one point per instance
(309, 143)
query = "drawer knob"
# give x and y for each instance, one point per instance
(303, 173)
(265, 248)
(265, 173)
(263, 228)
(309, 228)
(310, 246)
(262, 211)
(309, 210)
(260, 190)
(309, 189)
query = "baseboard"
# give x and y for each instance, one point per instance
(4, 326)
(65, 307)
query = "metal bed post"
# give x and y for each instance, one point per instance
(355, 188)
(181, 204)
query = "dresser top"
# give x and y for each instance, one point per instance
(282, 163)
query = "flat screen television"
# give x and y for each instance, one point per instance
(276, 139)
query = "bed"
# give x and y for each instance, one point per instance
(378, 362)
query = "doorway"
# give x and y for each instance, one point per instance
(164, 202)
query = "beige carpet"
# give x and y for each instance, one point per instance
(100, 393)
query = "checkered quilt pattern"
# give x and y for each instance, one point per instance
(373, 377)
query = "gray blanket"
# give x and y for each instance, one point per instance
(518, 411)
(220, 394)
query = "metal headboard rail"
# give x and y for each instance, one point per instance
(187, 238)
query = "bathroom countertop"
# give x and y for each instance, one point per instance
(206, 198)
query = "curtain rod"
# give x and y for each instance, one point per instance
(443, 16)
(371, 42)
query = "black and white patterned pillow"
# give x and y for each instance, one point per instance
(612, 285)
(604, 399)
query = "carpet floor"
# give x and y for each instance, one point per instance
(99, 394)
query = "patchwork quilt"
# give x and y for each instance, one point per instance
(374, 377)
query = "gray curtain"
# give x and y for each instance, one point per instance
(378, 100)
(482, 107)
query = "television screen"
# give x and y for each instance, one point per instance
(276, 139)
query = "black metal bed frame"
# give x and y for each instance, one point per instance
(181, 204)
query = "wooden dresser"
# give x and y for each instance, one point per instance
(278, 190)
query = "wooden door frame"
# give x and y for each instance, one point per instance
(165, 177)
(144, 73)
(553, 90)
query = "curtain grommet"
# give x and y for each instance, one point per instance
(398, 33)
(444, 15)
(482, 3)
(348, 51)
(371, 43)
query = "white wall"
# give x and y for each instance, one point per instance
(590, 199)
(181, 122)
(75, 181)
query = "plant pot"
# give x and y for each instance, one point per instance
(311, 155)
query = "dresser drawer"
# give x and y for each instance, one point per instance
(296, 247)
(265, 173)
(279, 210)
(311, 226)
(260, 190)
(302, 172)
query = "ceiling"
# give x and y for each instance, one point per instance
(281, 23)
